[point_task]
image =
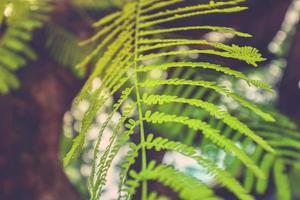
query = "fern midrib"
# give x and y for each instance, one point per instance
(138, 97)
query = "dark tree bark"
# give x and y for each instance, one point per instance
(263, 20)
(30, 127)
(31, 121)
(289, 94)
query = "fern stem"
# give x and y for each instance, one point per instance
(139, 100)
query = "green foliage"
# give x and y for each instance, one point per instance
(133, 43)
(222, 176)
(62, 45)
(21, 18)
(187, 187)
(284, 137)
(282, 182)
(182, 104)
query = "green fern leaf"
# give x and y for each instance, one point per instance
(281, 181)
(180, 29)
(187, 187)
(15, 51)
(222, 176)
(128, 47)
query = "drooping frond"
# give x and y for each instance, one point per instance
(116, 141)
(88, 119)
(223, 177)
(285, 140)
(282, 135)
(130, 47)
(21, 20)
(128, 161)
(211, 133)
(63, 46)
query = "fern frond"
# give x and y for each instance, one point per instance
(188, 9)
(192, 14)
(206, 65)
(129, 48)
(151, 5)
(110, 152)
(247, 54)
(128, 161)
(249, 176)
(285, 140)
(107, 19)
(213, 86)
(222, 176)
(209, 132)
(214, 110)
(117, 106)
(63, 47)
(266, 164)
(281, 181)
(78, 141)
(116, 46)
(14, 43)
(96, 104)
(7, 80)
(109, 28)
(188, 187)
(187, 28)
(105, 41)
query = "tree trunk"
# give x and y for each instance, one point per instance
(30, 127)
(289, 94)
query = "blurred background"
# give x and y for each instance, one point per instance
(38, 121)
